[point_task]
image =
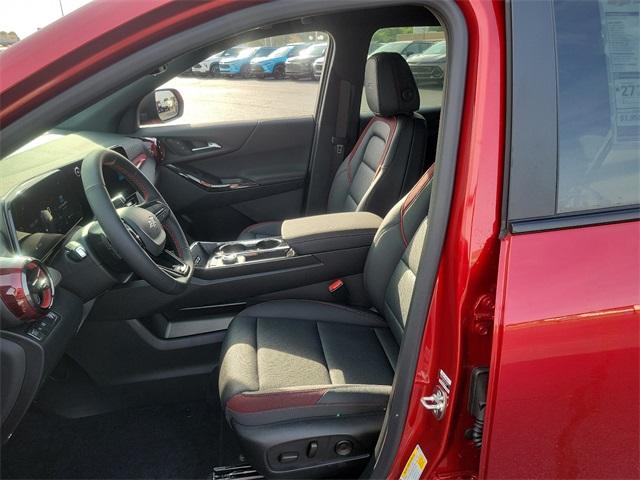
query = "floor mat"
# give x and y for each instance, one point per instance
(167, 441)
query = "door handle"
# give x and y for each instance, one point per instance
(219, 186)
(209, 146)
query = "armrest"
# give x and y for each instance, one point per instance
(334, 231)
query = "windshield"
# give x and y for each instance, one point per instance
(280, 52)
(247, 52)
(313, 51)
(392, 47)
(439, 48)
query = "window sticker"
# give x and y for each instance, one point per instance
(621, 24)
(415, 465)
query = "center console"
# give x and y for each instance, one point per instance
(316, 235)
(311, 253)
(218, 254)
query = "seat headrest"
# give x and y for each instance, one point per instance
(389, 85)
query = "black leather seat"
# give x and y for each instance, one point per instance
(388, 157)
(295, 372)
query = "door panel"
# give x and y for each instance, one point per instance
(221, 178)
(566, 382)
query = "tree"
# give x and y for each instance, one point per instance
(386, 35)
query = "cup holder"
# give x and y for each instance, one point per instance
(232, 248)
(268, 244)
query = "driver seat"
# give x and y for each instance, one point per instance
(305, 384)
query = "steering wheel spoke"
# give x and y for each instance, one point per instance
(158, 208)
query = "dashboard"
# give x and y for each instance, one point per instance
(42, 212)
(44, 292)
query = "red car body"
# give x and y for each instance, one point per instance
(563, 344)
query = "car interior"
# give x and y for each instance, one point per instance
(230, 298)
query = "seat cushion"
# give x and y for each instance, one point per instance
(297, 359)
(261, 230)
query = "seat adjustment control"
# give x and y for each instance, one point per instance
(344, 448)
(288, 457)
(312, 449)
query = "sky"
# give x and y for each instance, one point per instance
(25, 16)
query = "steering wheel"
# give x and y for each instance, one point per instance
(139, 233)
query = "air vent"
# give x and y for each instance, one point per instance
(26, 287)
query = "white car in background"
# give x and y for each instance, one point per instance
(211, 66)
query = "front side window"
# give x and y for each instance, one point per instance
(598, 62)
(253, 81)
(280, 52)
(314, 50)
(247, 52)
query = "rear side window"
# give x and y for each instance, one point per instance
(598, 65)
(425, 50)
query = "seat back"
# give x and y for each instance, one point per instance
(387, 158)
(394, 256)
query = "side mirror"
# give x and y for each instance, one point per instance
(160, 106)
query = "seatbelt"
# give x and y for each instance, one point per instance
(340, 139)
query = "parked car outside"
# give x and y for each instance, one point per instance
(272, 65)
(301, 66)
(406, 48)
(240, 65)
(318, 67)
(429, 67)
(211, 66)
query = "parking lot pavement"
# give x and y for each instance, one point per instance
(208, 100)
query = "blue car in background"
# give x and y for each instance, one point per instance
(272, 65)
(239, 65)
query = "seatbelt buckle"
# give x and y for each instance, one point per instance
(335, 286)
(339, 290)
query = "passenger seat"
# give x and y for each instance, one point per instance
(388, 157)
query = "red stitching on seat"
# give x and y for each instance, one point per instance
(411, 197)
(257, 402)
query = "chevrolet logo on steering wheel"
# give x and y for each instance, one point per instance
(153, 224)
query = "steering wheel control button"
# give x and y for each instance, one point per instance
(288, 457)
(344, 448)
(75, 251)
